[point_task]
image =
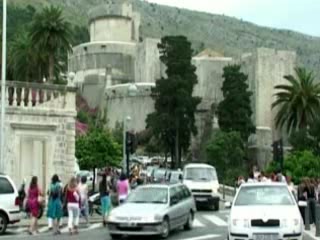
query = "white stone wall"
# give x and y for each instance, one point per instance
(209, 72)
(266, 69)
(148, 65)
(112, 29)
(40, 141)
(119, 105)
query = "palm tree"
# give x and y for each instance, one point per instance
(52, 33)
(24, 58)
(298, 102)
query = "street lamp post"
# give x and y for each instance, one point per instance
(132, 92)
(3, 83)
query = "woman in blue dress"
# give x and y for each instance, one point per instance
(55, 203)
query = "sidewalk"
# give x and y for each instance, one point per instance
(312, 232)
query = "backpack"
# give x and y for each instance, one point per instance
(55, 193)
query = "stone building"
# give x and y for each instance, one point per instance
(40, 132)
(115, 58)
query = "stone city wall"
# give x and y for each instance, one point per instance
(119, 105)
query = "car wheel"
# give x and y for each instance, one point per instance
(165, 228)
(115, 236)
(3, 223)
(216, 206)
(189, 223)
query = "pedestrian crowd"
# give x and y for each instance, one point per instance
(72, 200)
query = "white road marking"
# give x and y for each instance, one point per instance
(209, 236)
(197, 223)
(64, 230)
(94, 226)
(216, 220)
(19, 230)
(43, 229)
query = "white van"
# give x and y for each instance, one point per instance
(203, 182)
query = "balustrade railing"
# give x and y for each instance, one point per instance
(40, 95)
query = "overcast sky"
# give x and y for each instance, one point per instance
(298, 15)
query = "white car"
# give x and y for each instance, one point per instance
(264, 211)
(9, 203)
(203, 182)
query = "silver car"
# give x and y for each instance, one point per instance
(153, 210)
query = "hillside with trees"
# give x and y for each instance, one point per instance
(227, 35)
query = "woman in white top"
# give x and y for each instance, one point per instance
(83, 191)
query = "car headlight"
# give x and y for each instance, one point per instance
(111, 217)
(148, 219)
(241, 223)
(290, 222)
(214, 191)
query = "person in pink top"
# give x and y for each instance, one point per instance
(122, 188)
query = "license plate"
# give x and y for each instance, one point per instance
(265, 237)
(201, 199)
(128, 224)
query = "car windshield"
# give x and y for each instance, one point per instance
(264, 195)
(149, 195)
(159, 173)
(175, 176)
(201, 174)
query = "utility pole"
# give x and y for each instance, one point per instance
(3, 84)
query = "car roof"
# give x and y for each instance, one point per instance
(198, 165)
(262, 184)
(161, 185)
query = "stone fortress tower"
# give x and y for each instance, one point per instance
(115, 61)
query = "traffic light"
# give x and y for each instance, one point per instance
(131, 143)
(277, 150)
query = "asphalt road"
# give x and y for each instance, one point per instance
(207, 225)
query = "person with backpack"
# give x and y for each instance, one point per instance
(55, 204)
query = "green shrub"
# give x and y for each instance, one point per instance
(299, 164)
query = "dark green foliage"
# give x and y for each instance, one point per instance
(53, 34)
(298, 101)
(97, 149)
(234, 112)
(307, 139)
(298, 165)
(226, 151)
(173, 121)
(80, 35)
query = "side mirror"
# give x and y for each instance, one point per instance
(302, 204)
(227, 205)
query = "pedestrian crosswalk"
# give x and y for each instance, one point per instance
(202, 220)
(219, 219)
(45, 230)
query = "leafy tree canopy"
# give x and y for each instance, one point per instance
(226, 151)
(97, 149)
(298, 101)
(234, 112)
(298, 165)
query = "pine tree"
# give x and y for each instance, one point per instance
(173, 121)
(234, 112)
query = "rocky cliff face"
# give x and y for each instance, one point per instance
(227, 35)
